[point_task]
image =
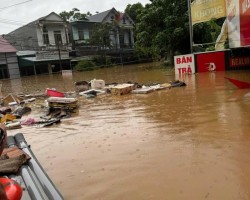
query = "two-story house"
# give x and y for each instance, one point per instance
(121, 35)
(42, 34)
(48, 37)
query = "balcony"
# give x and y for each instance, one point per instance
(65, 47)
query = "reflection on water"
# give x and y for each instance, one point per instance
(183, 143)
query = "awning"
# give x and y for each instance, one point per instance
(34, 59)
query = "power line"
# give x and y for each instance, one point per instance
(14, 5)
(11, 22)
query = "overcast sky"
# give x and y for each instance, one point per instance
(13, 17)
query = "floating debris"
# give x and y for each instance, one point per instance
(144, 90)
(53, 93)
(122, 89)
(11, 100)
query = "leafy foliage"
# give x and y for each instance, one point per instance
(102, 61)
(74, 14)
(163, 28)
(206, 34)
(85, 65)
(134, 10)
(100, 35)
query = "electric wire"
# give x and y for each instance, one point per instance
(15, 4)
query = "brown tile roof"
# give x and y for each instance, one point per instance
(5, 46)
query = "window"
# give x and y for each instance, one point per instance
(58, 37)
(45, 36)
(81, 34)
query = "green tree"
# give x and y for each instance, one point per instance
(163, 28)
(206, 33)
(134, 10)
(100, 35)
(74, 14)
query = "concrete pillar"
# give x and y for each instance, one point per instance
(67, 34)
(12, 64)
(49, 68)
(117, 39)
(132, 37)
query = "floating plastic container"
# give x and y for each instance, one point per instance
(53, 93)
(97, 84)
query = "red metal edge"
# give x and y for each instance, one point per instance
(239, 84)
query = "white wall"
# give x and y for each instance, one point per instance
(51, 29)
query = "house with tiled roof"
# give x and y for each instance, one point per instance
(8, 60)
(121, 35)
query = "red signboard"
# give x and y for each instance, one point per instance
(244, 22)
(211, 61)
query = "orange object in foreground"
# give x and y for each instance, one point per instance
(13, 190)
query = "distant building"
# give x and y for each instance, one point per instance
(8, 60)
(45, 33)
(121, 36)
(48, 37)
(44, 45)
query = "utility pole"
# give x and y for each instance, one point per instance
(59, 53)
(190, 26)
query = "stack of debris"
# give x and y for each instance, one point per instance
(62, 102)
(95, 87)
(12, 100)
(14, 107)
(59, 107)
(12, 110)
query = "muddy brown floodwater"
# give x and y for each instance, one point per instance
(184, 143)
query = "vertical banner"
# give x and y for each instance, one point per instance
(184, 64)
(245, 22)
(205, 10)
(233, 23)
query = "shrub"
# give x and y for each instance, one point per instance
(85, 65)
(103, 61)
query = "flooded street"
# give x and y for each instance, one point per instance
(184, 143)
